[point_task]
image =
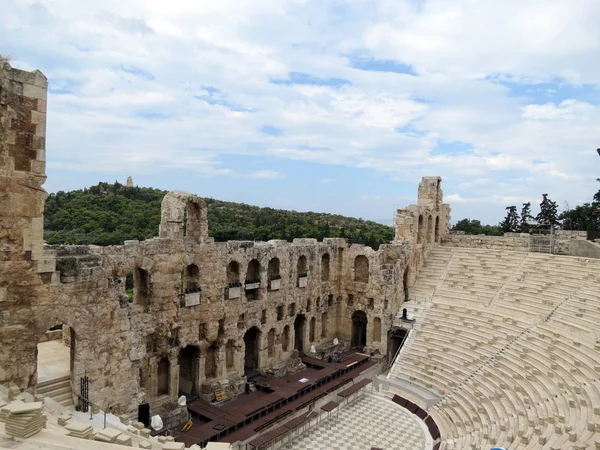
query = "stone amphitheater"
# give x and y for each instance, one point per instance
(434, 341)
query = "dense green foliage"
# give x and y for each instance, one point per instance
(109, 214)
(474, 227)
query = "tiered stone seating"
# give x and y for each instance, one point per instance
(476, 275)
(430, 274)
(518, 366)
(543, 282)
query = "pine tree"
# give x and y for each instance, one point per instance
(525, 217)
(548, 212)
(510, 224)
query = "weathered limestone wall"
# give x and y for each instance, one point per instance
(522, 242)
(195, 303)
(510, 241)
(585, 249)
(26, 269)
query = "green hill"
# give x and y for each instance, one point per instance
(109, 214)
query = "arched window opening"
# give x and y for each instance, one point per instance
(253, 272)
(361, 269)
(325, 267)
(273, 274)
(302, 271)
(191, 281)
(271, 342)
(420, 230)
(437, 229)
(233, 274)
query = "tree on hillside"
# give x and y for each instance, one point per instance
(469, 226)
(548, 212)
(580, 218)
(510, 224)
(526, 217)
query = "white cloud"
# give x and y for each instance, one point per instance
(145, 84)
(328, 180)
(266, 174)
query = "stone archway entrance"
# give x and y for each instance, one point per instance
(359, 329)
(189, 358)
(251, 355)
(55, 358)
(299, 325)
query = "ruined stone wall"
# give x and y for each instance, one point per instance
(521, 242)
(26, 270)
(194, 302)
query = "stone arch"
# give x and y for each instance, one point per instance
(271, 342)
(430, 229)
(233, 273)
(252, 351)
(253, 271)
(377, 329)
(273, 269)
(210, 360)
(324, 325)
(299, 324)
(183, 215)
(189, 360)
(325, 262)
(361, 269)
(420, 230)
(230, 354)
(359, 329)
(311, 330)
(302, 266)
(285, 338)
(437, 228)
(163, 374)
(191, 278)
(252, 277)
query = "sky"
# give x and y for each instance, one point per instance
(329, 106)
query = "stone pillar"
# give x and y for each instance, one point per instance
(430, 192)
(22, 174)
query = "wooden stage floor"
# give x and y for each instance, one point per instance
(283, 397)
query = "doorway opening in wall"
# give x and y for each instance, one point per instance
(395, 342)
(189, 359)
(359, 329)
(299, 324)
(55, 360)
(251, 354)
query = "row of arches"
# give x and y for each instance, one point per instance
(189, 357)
(138, 282)
(433, 231)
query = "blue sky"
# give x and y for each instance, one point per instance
(328, 106)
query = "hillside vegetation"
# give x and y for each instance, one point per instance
(108, 214)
